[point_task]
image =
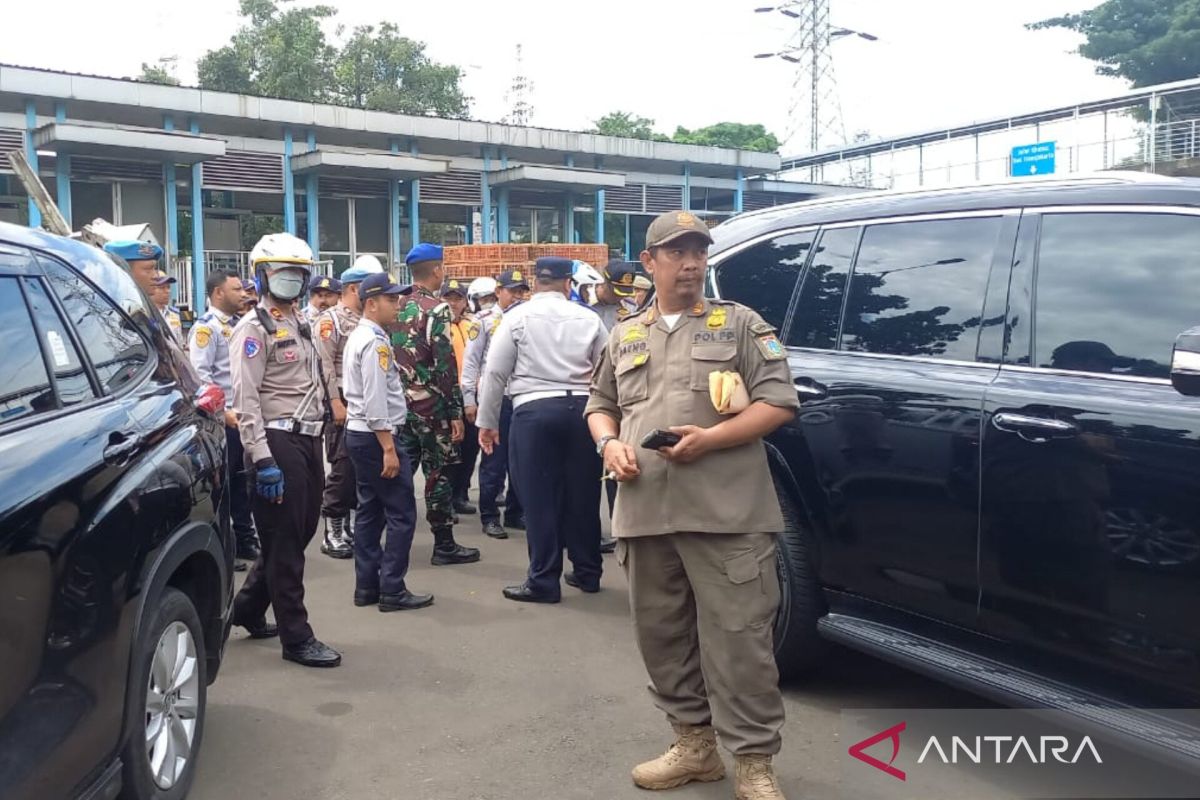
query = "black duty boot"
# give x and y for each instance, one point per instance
(447, 551)
(348, 533)
(495, 530)
(463, 506)
(404, 601)
(517, 521)
(608, 544)
(258, 628)
(312, 653)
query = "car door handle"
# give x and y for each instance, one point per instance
(808, 389)
(121, 445)
(1034, 429)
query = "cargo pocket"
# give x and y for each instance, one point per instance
(745, 600)
(708, 358)
(633, 383)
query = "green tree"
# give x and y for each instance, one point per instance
(1143, 41)
(730, 134)
(628, 125)
(381, 70)
(278, 53)
(158, 73)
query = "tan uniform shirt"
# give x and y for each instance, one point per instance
(272, 374)
(332, 329)
(654, 377)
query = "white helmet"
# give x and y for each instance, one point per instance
(585, 274)
(282, 248)
(368, 264)
(481, 287)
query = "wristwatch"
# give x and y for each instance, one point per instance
(602, 442)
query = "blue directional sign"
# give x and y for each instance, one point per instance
(1032, 159)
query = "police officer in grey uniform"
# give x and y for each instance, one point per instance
(208, 349)
(279, 394)
(511, 288)
(544, 351)
(376, 411)
(333, 328)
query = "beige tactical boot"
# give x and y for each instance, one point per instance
(693, 757)
(754, 779)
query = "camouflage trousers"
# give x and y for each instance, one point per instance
(427, 442)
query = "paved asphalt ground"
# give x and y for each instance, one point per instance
(481, 698)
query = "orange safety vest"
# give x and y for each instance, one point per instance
(458, 338)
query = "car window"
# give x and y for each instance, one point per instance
(70, 377)
(918, 288)
(24, 382)
(819, 307)
(763, 276)
(1114, 290)
(116, 348)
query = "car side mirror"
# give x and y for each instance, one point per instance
(1185, 363)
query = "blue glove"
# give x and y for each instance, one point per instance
(269, 482)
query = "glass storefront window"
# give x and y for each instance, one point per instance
(371, 225)
(334, 223)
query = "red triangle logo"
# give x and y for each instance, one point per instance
(893, 734)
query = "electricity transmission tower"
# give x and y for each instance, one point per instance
(815, 113)
(518, 97)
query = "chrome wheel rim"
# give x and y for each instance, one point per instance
(172, 703)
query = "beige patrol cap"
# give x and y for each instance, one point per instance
(670, 226)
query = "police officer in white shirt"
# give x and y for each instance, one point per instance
(375, 413)
(544, 351)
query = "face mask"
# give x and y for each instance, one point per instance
(286, 286)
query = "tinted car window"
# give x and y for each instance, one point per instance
(763, 276)
(117, 351)
(918, 288)
(819, 308)
(1114, 290)
(24, 383)
(70, 377)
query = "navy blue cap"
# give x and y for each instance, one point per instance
(380, 283)
(620, 275)
(162, 279)
(454, 286)
(554, 268)
(135, 250)
(424, 251)
(248, 285)
(513, 279)
(324, 283)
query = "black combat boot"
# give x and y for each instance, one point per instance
(447, 551)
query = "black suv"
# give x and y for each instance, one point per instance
(115, 569)
(991, 479)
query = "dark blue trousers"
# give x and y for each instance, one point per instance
(380, 500)
(556, 467)
(494, 469)
(239, 488)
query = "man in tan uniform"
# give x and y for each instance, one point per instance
(280, 399)
(696, 522)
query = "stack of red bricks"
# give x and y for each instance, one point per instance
(489, 260)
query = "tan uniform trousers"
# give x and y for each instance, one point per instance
(703, 606)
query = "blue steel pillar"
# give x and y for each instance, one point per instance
(414, 201)
(62, 170)
(289, 185)
(738, 192)
(310, 204)
(394, 212)
(502, 234)
(172, 208)
(485, 192)
(687, 187)
(599, 208)
(569, 209)
(35, 216)
(197, 230)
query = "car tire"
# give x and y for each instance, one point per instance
(165, 711)
(798, 646)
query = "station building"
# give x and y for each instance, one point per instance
(212, 171)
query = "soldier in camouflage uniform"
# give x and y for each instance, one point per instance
(421, 340)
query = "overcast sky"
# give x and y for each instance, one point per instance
(937, 62)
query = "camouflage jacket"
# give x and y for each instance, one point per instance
(424, 351)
